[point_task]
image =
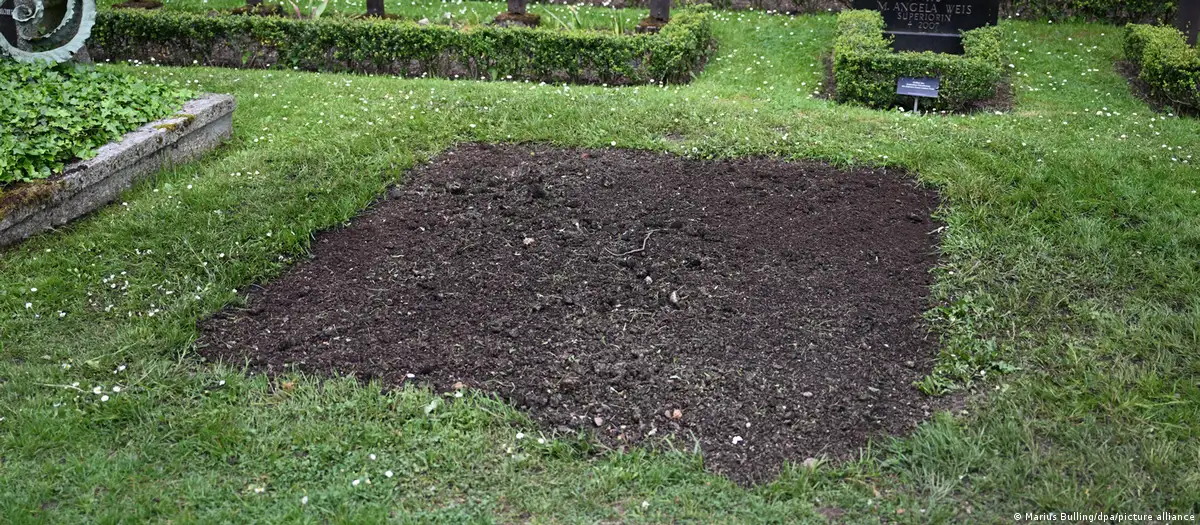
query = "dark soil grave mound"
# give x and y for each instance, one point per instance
(770, 310)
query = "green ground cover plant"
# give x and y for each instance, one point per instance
(1166, 63)
(865, 68)
(408, 48)
(54, 114)
(1066, 302)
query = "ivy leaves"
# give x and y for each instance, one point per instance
(55, 114)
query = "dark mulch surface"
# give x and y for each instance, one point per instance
(774, 302)
(263, 9)
(509, 19)
(783, 6)
(1132, 73)
(138, 4)
(1137, 86)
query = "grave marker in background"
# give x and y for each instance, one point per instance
(660, 9)
(932, 25)
(660, 14)
(1188, 19)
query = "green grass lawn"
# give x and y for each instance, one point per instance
(1070, 293)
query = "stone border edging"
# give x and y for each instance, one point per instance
(83, 186)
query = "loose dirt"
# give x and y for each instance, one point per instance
(769, 310)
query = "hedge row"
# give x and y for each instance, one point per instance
(1113, 11)
(52, 115)
(1168, 65)
(401, 47)
(865, 69)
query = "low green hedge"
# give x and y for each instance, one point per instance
(1167, 64)
(407, 48)
(1112, 11)
(51, 115)
(865, 69)
(1108, 11)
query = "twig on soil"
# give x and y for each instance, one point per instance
(631, 252)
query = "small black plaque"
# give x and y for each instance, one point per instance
(918, 86)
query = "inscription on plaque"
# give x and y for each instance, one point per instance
(932, 25)
(927, 87)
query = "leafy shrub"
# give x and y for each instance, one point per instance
(54, 114)
(1112, 11)
(861, 31)
(1115, 11)
(1168, 65)
(406, 48)
(865, 69)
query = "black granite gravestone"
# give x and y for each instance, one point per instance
(660, 14)
(1188, 19)
(660, 9)
(932, 25)
(376, 8)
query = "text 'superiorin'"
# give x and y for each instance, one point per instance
(932, 25)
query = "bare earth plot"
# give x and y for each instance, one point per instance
(769, 310)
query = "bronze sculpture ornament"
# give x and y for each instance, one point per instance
(45, 30)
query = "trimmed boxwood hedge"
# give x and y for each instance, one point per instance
(1167, 64)
(1112, 11)
(402, 47)
(865, 69)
